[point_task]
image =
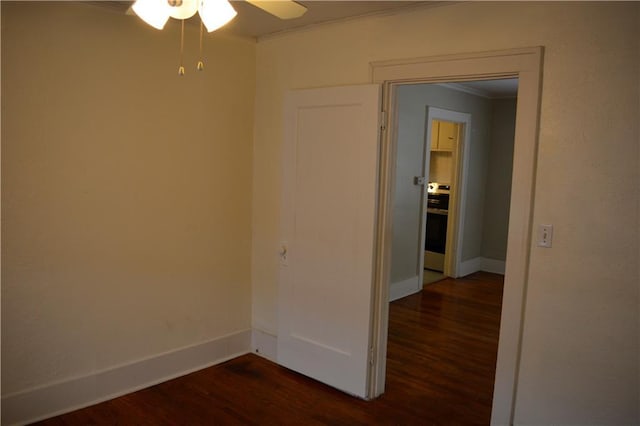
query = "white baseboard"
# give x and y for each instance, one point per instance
(404, 288)
(264, 344)
(481, 264)
(62, 397)
(469, 266)
(493, 265)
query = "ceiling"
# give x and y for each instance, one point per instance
(253, 22)
(492, 89)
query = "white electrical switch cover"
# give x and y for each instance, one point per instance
(545, 235)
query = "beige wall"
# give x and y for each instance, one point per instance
(122, 237)
(580, 348)
(500, 166)
(126, 191)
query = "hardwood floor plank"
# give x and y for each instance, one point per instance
(440, 370)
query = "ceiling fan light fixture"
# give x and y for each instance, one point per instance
(152, 12)
(216, 13)
(182, 9)
(213, 15)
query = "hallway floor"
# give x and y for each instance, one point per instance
(430, 276)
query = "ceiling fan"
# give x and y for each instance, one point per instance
(213, 15)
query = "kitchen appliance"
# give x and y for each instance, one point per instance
(436, 229)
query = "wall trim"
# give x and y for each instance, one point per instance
(470, 266)
(482, 264)
(69, 395)
(404, 288)
(494, 266)
(264, 344)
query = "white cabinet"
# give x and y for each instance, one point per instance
(444, 135)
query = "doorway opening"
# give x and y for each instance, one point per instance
(428, 205)
(448, 136)
(452, 180)
(526, 65)
(464, 172)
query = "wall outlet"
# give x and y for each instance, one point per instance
(545, 235)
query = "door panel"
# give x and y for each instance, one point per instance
(330, 167)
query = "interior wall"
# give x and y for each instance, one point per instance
(412, 103)
(580, 334)
(498, 184)
(126, 191)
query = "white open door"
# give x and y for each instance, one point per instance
(330, 166)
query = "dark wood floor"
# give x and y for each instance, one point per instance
(440, 370)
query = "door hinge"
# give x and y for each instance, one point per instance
(383, 120)
(371, 356)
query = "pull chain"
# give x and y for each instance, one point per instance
(200, 65)
(181, 68)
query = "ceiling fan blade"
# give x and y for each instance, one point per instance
(283, 9)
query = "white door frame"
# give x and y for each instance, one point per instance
(526, 65)
(455, 230)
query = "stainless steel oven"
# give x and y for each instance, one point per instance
(436, 229)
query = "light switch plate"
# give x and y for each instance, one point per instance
(545, 235)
